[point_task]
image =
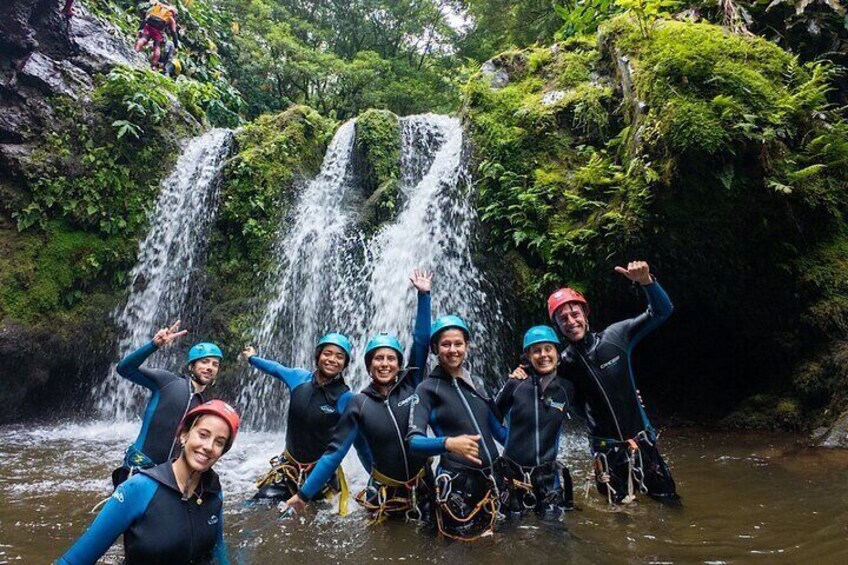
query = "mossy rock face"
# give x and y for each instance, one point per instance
(378, 147)
(714, 156)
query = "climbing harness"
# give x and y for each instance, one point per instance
(452, 505)
(291, 473)
(385, 496)
(604, 449)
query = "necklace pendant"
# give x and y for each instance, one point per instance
(199, 501)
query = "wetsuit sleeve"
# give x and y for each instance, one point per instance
(343, 437)
(659, 309)
(128, 503)
(291, 377)
(130, 369)
(419, 420)
(505, 397)
(421, 337)
(499, 431)
(219, 552)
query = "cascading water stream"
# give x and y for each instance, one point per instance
(332, 279)
(170, 263)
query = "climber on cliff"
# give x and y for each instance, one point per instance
(68, 10)
(173, 396)
(623, 441)
(155, 21)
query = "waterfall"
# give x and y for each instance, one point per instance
(163, 284)
(345, 282)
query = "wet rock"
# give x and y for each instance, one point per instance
(16, 33)
(836, 435)
(55, 77)
(498, 77)
(552, 97)
(99, 46)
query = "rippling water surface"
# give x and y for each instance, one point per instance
(749, 498)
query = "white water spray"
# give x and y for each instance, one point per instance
(170, 261)
(332, 279)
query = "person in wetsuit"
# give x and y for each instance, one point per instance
(535, 402)
(317, 401)
(464, 421)
(623, 441)
(401, 482)
(171, 513)
(172, 396)
(156, 20)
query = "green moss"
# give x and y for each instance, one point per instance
(378, 145)
(53, 270)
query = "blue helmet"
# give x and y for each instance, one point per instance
(203, 349)
(540, 334)
(443, 323)
(337, 339)
(383, 339)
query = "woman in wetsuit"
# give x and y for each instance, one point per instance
(464, 422)
(317, 401)
(171, 513)
(535, 402)
(401, 482)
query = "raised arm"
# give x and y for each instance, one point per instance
(422, 281)
(291, 377)
(659, 304)
(130, 366)
(128, 503)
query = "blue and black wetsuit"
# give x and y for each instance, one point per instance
(158, 525)
(314, 411)
(535, 409)
(173, 396)
(453, 407)
(600, 367)
(397, 474)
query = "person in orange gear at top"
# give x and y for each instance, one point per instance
(158, 18)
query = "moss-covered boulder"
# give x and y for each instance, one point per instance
(713, 155)
(377, 161)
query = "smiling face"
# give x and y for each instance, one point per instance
(331, 360)
(384, 366)
(452, 348)
(572, 321)
(205, 370)
(204, 442)
(544, 357)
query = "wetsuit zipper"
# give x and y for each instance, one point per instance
(536, 411)
(473, 420)
(400, 437)
(603, 391)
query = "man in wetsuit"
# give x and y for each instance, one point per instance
(623, 441)
(157, 19)
(173, 396)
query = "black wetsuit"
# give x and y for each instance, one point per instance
(157, 524)
(314, 411)
(173, 396)
(383, 422)
(535, 409)
(600, 367)
(443, 403)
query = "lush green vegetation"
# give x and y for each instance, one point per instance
(717, 155)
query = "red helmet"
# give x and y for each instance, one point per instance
(564, 296)
(218, 408)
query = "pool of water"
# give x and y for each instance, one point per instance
(748, 498)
